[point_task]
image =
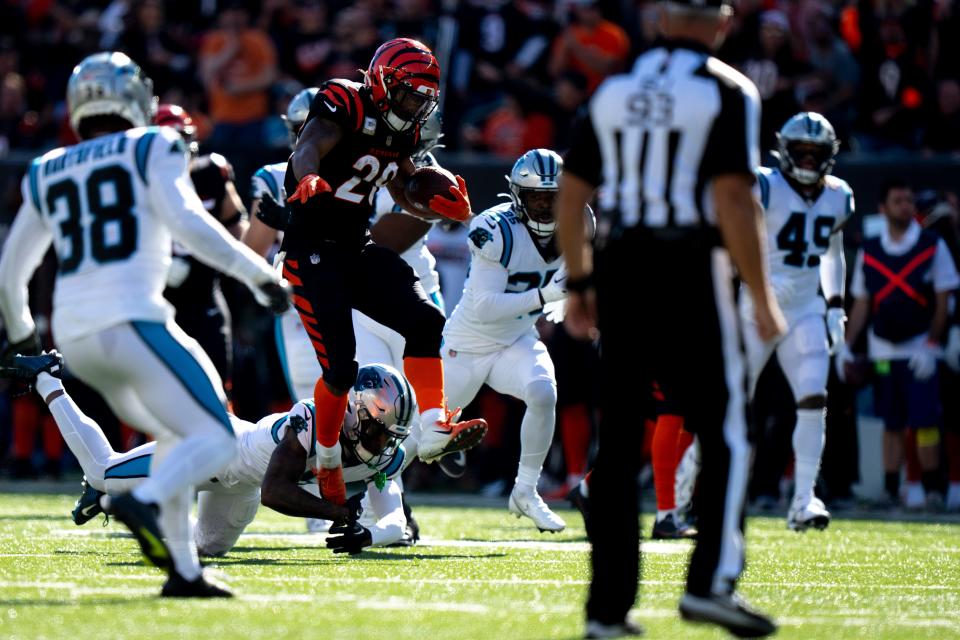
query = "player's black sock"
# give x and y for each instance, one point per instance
(891, 482)
(931, 481)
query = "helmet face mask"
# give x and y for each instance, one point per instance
(297, 112)
(807, 148)
(110, 84)
(404, 82)
(383, 404)
(534, 181)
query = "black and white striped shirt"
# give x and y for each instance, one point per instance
(654, 138)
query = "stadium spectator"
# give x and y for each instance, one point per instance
(237, 66)
(305, 42)
(355, 40)
(836, 74)
(589, 44)
(149, 40)
(942, 134)
(508, 132)
(902, 281)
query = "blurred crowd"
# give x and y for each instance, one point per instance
(885, 72)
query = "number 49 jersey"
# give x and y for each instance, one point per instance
(798, 234)
(499, 239)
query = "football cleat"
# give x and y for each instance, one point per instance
(531, 505)
(442, 436)
(177, 586)
(141, 519)
(728, 611)
(579, 501)
(673, 528)
(87, 506)
(599, 630)
(806, 513)
(454, 464)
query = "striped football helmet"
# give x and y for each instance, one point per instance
(110, 84)
(404, 82)
(384, 405)
(536, 172)
(803, 134)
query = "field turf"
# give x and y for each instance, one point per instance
(479, 573)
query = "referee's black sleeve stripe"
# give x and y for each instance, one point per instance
(583, 159)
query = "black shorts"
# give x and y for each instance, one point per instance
(330, 280)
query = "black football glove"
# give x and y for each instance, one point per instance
(273, 214)
(349, 538)
(274, 296)
(354, 507)
(29, 346)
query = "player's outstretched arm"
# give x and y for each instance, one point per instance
(24, 248)
(317, 138)
(281, 490)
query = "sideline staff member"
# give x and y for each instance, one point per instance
(673, 146)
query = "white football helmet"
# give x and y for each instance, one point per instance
(297, 112)
(384, 404)
(110, 84)
(536, 171)
(810, 128)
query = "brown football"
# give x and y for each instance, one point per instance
(424, 184)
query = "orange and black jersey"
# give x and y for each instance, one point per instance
(365, 159)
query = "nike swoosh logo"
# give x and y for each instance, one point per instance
(329, 106)
(157, 550)
(86, 510)
(490, 224)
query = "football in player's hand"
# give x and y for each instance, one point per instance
(424, 184)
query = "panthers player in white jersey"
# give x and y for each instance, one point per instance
(111, 206)
(274, 462)
(515, 270)
(805, 209)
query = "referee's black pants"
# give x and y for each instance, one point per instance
(685, 334)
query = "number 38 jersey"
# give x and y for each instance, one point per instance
(498, 240)
(365, 158)
(798, 234)
(108, 204)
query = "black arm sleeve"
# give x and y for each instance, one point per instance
(732, 146)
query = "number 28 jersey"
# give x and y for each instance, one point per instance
(366, 157)
(798, 233)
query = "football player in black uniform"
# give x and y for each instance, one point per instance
(356, 139)
(193, 288)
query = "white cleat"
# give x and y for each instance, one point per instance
(915, 498)
(531, 505)
(318, 525)
(807, 512)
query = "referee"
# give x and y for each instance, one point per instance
(672, 146)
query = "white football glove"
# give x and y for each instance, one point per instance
(555, 312)
(843, 356)
(923, 363)
(556, 289)
(836, 327)
(952, 354)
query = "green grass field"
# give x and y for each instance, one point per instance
(478, 574)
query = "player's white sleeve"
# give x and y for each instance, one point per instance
(858, 285)
(175, 200)
(23, 250)
(833, 268)
(945, 277)
(388, 506)
(487, 283)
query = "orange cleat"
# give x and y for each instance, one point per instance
(446, 436)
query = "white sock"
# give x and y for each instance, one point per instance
(82, 435)
(661, 514)
(177, 531)
(536, 432)
(808, 439)
(47, 384)
(187, 462)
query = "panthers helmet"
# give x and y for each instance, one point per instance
(536, 171)
(404, 82)
(110, 84)
(430, 134)
(384, 404)
(297, 112)
(173, 115)
(807, 128)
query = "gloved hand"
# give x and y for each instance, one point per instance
(836, 327)
(349, 538)
(923, 363)
(843, 357)
(556, 289)
(952, 354)
(556, 311)
(309, 186)
(273, 294)
(273, 214)
(29, 346)
(457, 209)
